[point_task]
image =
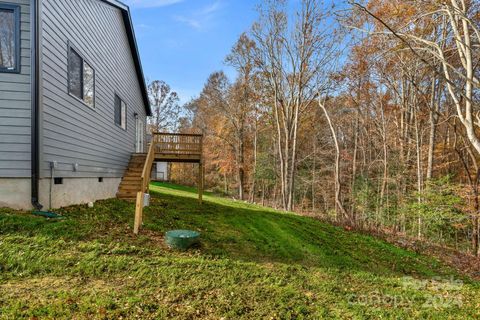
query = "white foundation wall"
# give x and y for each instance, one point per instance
(77, 191)
(15, 193)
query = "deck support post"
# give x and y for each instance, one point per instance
(200, 182)
(138, 213)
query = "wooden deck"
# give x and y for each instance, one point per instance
(178, 147)
(165, 147)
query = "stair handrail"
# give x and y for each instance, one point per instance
(144, 182)
(147, 168)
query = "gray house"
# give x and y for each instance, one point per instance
(73, 101)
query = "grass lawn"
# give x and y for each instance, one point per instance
(253, 263)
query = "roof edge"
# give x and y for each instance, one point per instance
(117, 4)
(127, 19)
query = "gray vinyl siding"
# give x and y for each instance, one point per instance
(15, 106)
(72, 131)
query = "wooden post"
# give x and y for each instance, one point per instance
(138, 212)
(201, 172)
(200, 182)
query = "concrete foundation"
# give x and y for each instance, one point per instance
(15, 193)
(77, 191)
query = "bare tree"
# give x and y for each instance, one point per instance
(242, 105)
(223, 112)
(339, 208)
(292, 55)
(166, 107)
(458, 59)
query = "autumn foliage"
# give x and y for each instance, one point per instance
(367, 114)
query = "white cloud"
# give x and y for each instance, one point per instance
(200, 19)
(210, 9)
(194, 23)
(150, 3)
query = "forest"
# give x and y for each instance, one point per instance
(364, 113)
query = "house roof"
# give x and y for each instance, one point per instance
(127, 19)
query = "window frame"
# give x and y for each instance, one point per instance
(70, 47)
(116, 95)
(16, 15)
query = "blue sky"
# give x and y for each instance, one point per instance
(183, 41)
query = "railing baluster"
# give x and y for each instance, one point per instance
(178, 144)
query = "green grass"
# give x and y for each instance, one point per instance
(253, 263)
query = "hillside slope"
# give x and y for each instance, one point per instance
(253, 263)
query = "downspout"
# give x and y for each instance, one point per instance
(35, 100)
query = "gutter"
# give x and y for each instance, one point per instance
(35, 100)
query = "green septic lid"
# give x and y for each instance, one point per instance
(182, 239)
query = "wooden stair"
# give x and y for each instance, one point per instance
(132, 178)
(168, 147)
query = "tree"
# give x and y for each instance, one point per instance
(373, 135)
(292, 55)
(242, 100)
(222, 113)
(445, 38)
(339, 208)
(459, 29)
(166, 107)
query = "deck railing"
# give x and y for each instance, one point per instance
(177, 144)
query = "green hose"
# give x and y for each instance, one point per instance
(48, 214)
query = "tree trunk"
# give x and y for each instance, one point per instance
(354, 169)
(475, 218)
(255, 151)
(433, 118)
(241, 164)
(263, 193)
(385, 163)
(313, 173)
(339, 209)
(225, 190)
